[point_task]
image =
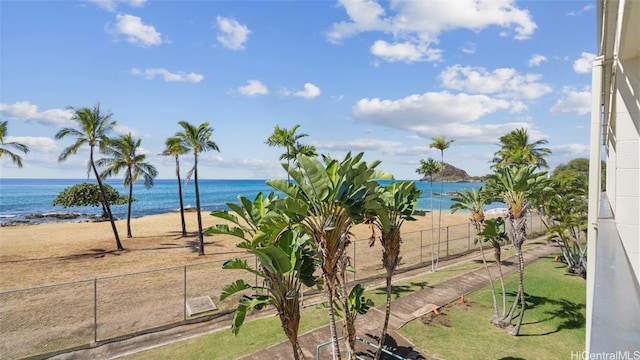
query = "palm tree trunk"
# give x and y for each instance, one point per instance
(385, 326)
(504, 293)
(440, 209)
(184, 227)
(494, 319)
(129, 204)
(105, 203)
(523, 303)
(200, 235)
(330, 289)
(349, 329)
(431, 198)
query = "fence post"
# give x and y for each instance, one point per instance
(421, 231)
(184, 297)
(447, 241)
(95, 310)
(468, 236)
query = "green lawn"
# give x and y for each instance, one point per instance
(553, 325)
(262, 333)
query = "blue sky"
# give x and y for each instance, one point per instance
(382, 77)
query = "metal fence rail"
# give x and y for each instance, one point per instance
(48, 319)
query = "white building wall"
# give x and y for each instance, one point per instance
(624, 186)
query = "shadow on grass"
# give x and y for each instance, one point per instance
(568, 313)
(398, 290)
(391, 345)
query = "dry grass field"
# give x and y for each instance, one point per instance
(51, 253)
(111, 293)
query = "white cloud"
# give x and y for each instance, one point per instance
(584, 64)
(253, 88)
(124, 130)
(356, 145)
(232, 35)
(136, 32)
(505, 82)
(420, 23)
(537, 60)
(405, 51)
(469, 48)
(24, 110)
(310, 91)
(425, 111)
(578, 102)
(36, 143)
(168, 76)
(111, 5)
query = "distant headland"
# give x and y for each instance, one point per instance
(451, 173)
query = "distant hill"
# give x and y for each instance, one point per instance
(453, 174)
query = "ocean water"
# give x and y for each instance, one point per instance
(20, 198)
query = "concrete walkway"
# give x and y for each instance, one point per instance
(403, 310)
(369, 326)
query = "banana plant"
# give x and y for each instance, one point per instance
(285, 258)
(328, 197)
(398, 202)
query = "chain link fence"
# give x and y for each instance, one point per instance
(44, 320)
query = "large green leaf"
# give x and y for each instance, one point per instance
(273, 259)
(245, 305)
(234, 287)
(241, 264)
(224, 229)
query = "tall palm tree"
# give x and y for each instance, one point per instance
(123, 154)
(515, 184)
(515, 149)
(283, 137)
(175, 148)
(5, 146)
(197, 140)
(328, 199)
(474, 201)
(93, 129)
(440, 143)
(398, 202)
(429, 168)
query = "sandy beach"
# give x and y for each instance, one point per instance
(51, 253)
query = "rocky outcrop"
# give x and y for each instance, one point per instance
(451, 173)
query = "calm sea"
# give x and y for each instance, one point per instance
(20, 198)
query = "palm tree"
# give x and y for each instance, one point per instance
(474, 201)
(328, 199)
(286, 262)
(197, 140)
(302, 149)
(123, 155)
(398, 202)
(5, 146)
(429, 168)
(515, 149)
(440, 143)
(494, 232)
(92, 129)
(282, 137)
(175, 148)
(515, 184)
